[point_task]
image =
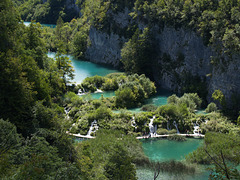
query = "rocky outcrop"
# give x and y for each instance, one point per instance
(226, 77)
(105, 48)
(71, 5)
(187, 54)
(179, 53)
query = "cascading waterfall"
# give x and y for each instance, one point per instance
(175, 124)
(196, 128)
(151, 127)
(133, 123)
(93, 128)
(98, 91)
(81, 92)
(67, 110)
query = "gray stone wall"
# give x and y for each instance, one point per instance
(106, 49)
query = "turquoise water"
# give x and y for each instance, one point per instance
(163, 149)
(160, 98)
(85, 69)
(201, 112)
(47, 25)
(98, 95)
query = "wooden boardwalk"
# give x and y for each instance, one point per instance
(80, 136)
(166, 135)
(142, 137)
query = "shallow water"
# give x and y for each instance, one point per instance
(85, 69)
(164, 150)
(47, 25)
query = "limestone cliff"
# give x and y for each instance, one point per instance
(181, 53)
(105, 48)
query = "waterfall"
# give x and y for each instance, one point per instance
(175, 124)
(151, 127)
(93, 128)
(81, 92)
(67, 110)
(98, 91)
(133, 123)
(196, 128)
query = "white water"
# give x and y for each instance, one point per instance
(67, 110)
(152, 129)
(93, 128)
(98, 91)
(175, 124)
(196, 130)
(81, 92)
(133, 123)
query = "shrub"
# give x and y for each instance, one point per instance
(149, 107)
(173, 131)
(176, 138)
(211, 107)
(162, 131)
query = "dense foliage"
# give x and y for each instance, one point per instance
(46, 11)
(217, 21)
(222, 150)
(130, 92)
(110, 156)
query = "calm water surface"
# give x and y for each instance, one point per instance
(85, 69)
(47, 25)
(163, 150)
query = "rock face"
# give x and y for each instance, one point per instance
(195, 57)
(105, 48)
(227, 79)
(179, 53)
(71, 5)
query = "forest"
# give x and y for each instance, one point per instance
(40, 106)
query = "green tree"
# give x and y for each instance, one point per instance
(79, 44)
(119, 165)
(65, 68)
(16, 97)
(138, 52)
(108, 156)
(9, 140)
(219, 97)
(211, 107)
(222, 151)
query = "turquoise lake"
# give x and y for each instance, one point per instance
(47, 25)
(164, 150)
(85, 69)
